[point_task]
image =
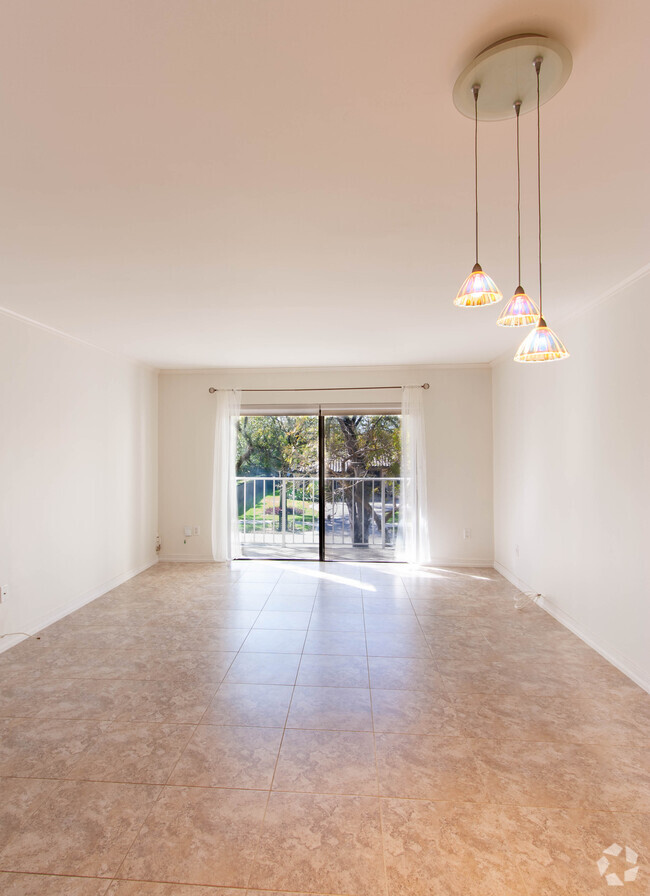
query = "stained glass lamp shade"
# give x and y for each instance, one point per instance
(478, 289)
(541, 344)
(520, 311)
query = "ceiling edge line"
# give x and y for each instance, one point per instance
(63, 335)
(212, 371)
(602, 299)
(610, 293)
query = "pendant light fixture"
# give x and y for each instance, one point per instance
(541, 344)
(520, 311)
(478, 289)
(504, 72)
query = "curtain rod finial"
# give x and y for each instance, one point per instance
(425, 385)
(211, 390)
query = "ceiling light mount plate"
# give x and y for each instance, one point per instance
(505, 74)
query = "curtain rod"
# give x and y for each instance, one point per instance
(325, 389)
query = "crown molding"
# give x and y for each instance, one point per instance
(602, 299)
(30, 322)
(378, 368)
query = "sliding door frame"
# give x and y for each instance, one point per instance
(321, 485)
(320, 411)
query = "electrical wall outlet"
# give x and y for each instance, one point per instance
(467, 533)
(4, 593)
(197, 530)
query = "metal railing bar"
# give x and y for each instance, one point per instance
(372, 500)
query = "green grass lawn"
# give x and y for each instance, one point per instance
(302, 516)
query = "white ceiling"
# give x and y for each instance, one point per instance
(212, 183)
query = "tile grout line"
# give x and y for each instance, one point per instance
(163, 786)
(374, 744)
(458, 696)
(277, 760)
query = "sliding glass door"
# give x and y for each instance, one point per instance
(319, 487)
(277, 486)
(362, 486)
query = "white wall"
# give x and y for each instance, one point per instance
(572, 478)
(459, 435)
(78, 473)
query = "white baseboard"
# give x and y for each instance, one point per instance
(183, 558)
(612, 656)
(76, 604)
(511, 577)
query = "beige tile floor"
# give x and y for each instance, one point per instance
(299, 728)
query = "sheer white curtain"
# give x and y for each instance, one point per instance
(413, 526)
(225, 523)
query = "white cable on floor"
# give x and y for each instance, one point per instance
(525, 598)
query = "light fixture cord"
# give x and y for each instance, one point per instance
(517, 110)
(475, 90)
(538, 64)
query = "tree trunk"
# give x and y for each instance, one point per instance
(358, 508)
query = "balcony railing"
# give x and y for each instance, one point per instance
(359, 511)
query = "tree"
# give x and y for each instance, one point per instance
(360, 447)
(277, 446)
